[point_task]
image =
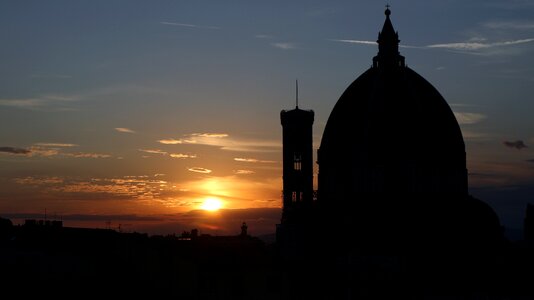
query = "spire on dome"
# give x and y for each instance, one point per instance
(388, 45)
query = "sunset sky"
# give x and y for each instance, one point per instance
(137, 112)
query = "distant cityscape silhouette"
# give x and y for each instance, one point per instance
(386, 221)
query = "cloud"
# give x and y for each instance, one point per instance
(56, 145)
(159, 174)
(225, 142)
(49, 149)
(180, 155)
(361, 42)
(124, 130)
(87, 155)
(365, 42)
(170, 142)
(13, 150)
(35, 181)
(153, 151)
(530, 160)
(40, 151)
(23, 103)
(47, 103)
(189, 25)
(253, 160)
(519, 144)
(465, 118)
(244, 172)
(210, 135)
(284, 46)
(472, 46)
(199, 170)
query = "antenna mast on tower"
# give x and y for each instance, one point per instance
(297, 92)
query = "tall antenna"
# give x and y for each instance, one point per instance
(297, 91)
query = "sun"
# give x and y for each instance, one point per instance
(211, 204)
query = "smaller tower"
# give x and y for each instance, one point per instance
(244, 230)
(297, 161)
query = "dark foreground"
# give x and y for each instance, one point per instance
(81, 263)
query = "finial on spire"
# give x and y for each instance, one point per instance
(297, 92)
(387, 12)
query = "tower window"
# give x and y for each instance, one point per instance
(294, 196)
(297, 162)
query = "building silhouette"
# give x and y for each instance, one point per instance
(392, 169)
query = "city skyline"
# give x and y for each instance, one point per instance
(143, 113)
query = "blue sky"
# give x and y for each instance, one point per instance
(197, 86)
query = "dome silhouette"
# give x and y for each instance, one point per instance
(391, 132)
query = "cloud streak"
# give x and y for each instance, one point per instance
(124, 130)
(199, 170)
(473, 46)
(46, 103)
(153, 151)
(253, 160)
(189, 25)
(13, 150)
(87, 155)
(225, 142)
(53, 145)
(284, 46)
(182, 156)
(519, 144)
(465, 118)
(244, 172)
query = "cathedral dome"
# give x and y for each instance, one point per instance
(391, 132)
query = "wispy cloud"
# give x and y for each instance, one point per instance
(210, 135)
(13, 150)
(61, 145)
(478, 46)
(183, 156)
(284, 46)
(87, 155)
(153, 151)
(473, 46)
(43, 151)
(35, 181)
(253, 160)
(361, 42)
(189, 25)
(199, 170)
(46, 103)
(366, 42)
(225, 142)
(465, 118)
(170, 142)
(244, 172)
(124, 130)
(519, 144)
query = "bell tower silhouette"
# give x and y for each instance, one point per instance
(297, 161)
